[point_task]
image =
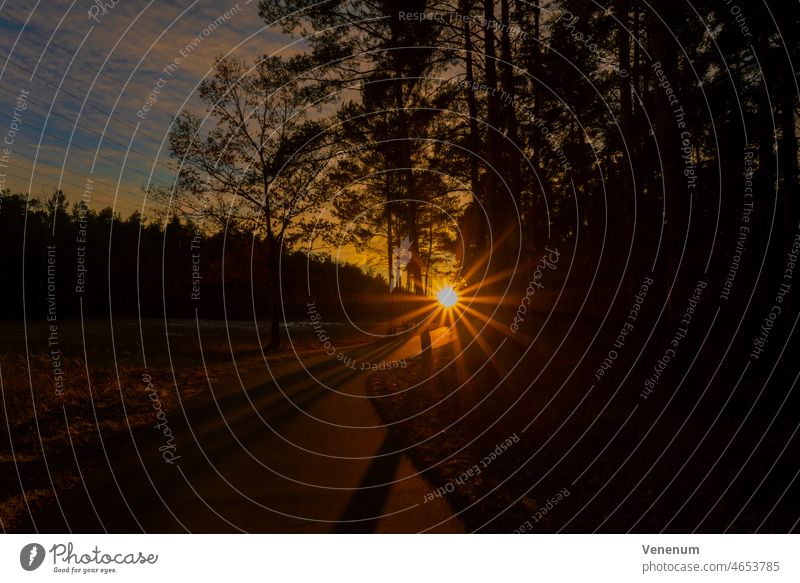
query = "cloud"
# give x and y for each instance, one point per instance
(87, 79)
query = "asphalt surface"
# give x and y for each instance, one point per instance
(296, 447)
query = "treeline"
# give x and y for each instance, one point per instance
(69, 261)
(626, 132)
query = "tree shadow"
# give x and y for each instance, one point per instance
(369, 498)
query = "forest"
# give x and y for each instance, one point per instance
(82, 263)
(559, 237)
(478, 132)
(446, 143)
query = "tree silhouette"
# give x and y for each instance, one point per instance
(252, 160)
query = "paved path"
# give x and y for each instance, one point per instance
(300, 449)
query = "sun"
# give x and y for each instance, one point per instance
(447, 296)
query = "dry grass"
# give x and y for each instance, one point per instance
(441, 435)
(448, 439)
(42, 432)
(39, 424)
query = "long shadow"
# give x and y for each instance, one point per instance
(270, 387)
(300, 391)
(292, 403)
(364, 510)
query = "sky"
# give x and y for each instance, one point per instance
(75, 79)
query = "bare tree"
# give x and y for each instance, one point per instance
(252, 161)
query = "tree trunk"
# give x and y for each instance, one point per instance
(275, 296)
(789, 188)
(766, 140)
(392, 327)
(636, 86)
(493, 204)
(429, 261)
(414, 267)
(478, 234)
(664, 52)
(625, 100)
(472, 107)
(508, 103)
(274, 266)
(533, 231)
(627, 131)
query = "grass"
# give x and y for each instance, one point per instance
(42, 432)
(446, 440)
(452, 409)
(47, 430)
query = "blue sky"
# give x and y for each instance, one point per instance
(86, 80)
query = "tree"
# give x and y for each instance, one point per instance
(254, 158)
